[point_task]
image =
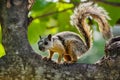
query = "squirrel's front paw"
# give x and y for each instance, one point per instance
(47, 59)
(68, 62)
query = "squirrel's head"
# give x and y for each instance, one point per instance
(45, 43)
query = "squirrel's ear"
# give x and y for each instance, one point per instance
(40, 37)
(49, 37)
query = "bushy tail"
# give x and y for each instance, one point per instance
(85, 10)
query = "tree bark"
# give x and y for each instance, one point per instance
(22, 63)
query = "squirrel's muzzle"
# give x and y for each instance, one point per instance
(41, 48)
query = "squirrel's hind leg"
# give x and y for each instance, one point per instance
(72, 52)
(67, 58)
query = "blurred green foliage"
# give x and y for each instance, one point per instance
(113, 11)
(2, 51)
(51, 17)
(0, 34)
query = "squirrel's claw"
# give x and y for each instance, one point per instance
(47, 59)
(67, 63)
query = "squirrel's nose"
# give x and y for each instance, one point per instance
(41, 48)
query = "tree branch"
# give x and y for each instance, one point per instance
(52, 13)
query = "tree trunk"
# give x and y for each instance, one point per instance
(22, 63)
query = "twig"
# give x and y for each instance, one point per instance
(52, 13)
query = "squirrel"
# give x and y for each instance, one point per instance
(68, 44)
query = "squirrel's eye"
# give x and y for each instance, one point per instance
(45, 43)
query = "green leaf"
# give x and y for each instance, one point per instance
(2, 51)
(0, 35)
(61, 6)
